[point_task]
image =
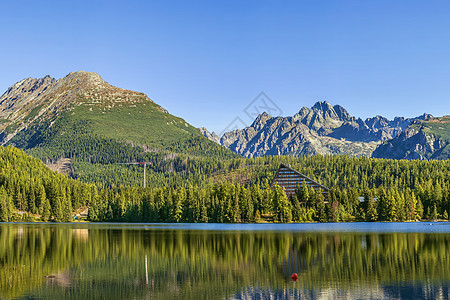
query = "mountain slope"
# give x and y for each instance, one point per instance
(428, 139)
(322, 129)
(82, 96)
(28, 187)
(82, 118)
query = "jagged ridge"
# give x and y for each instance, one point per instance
(428, 139)
(321, 129)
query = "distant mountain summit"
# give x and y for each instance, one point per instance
(32, 100)
(81, 119)
(321, 129)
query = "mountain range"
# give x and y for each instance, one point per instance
(321, 129)
(428, 139)
(81, 118)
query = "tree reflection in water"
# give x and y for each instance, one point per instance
(131, 261)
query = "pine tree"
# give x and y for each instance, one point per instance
(58, 209)
(20, 203)
(400, 206)
(32, 201)
(257, 216)
(4, 205)
(428, 215)
(267, 200)
(66, 206)
(203, 212)
(41, 199)
(382, 204)
(371, 213)
(46, 210)
(303, 195)
(282, 209)
(411, 204)
(93, 210)
(391, 206)
(296, 209)
(434, 214)
(236, 213)
(319, 206)
(177, 207)
(419, 210)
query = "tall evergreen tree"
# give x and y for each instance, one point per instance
(4, 205)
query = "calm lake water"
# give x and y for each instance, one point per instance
(225, 261)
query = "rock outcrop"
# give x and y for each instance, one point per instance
(428, 139)
(211, 136)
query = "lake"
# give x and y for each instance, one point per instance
(225, 261)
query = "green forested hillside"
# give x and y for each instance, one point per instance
(29, 189)
(236, 190)
(95, 155)
(93, 125)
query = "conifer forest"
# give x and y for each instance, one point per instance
(225, 190)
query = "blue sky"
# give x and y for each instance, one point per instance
(206, 61)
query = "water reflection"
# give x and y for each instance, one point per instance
(95, 261)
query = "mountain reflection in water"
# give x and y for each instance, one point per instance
(139, 261)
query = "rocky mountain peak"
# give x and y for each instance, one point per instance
(19, 94)
(377, 122)
(29, 85)
(424, 116)
(342, 113)
(45, 98)
(261, 120)
(322, 106)
(326, 111)
(84, 79)
(89, 76)
(323, 129)
(211, 136)
(89, 88)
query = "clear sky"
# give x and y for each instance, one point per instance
(205, 61)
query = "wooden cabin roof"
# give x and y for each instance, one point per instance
(324, 188)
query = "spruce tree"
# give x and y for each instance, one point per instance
(434, 214)
(419, 209)
(371, 213)
(319, 206)
(46, 210)
(296, 209)
(4, 205)
(282, 207)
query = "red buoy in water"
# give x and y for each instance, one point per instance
(294, 277)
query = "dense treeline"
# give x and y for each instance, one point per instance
(230, 203)
(28, 188)
(75, 140)
(94, 158)
(237, 190)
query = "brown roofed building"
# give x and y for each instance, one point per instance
(291, 180)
